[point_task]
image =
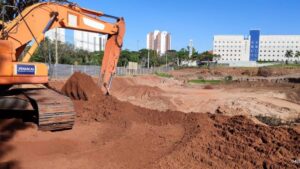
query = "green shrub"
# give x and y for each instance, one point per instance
(165, 75)
(228, 78)
(202, 81)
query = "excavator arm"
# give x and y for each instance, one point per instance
(36, 20)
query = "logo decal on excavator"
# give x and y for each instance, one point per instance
(25, 70)
(93, 24)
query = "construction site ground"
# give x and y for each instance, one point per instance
(158, 122)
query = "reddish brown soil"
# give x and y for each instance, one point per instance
(80, 87)
(114, 134)
(208, 141)
(194, 73)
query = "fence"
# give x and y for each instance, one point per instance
(64, 71)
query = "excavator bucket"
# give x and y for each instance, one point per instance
(74, 87)
(111, 56)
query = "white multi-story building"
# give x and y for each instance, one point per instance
(255, 47)
(89, 41)
(232, 48)
(274, 47)
(82, 40)
(58, 33)
(159, 41)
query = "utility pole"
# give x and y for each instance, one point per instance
(166, 60)
(56, 46)
(148, 58)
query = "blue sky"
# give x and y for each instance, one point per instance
(199, 19)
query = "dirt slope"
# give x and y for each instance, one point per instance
(208, 140)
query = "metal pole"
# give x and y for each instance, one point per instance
(56, 46)
(148, 59)
(166, 60)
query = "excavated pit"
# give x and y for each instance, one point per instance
(207, 141)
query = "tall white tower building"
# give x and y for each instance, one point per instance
(159, 41)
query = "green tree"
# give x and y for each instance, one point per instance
(143, 54)
(194, 53)
(96, 58)
(67, 54)
(206, 56)
(134, 57)
(182, 55)
(288, 54)
(297, 55)
(171, 57)
(124, 58)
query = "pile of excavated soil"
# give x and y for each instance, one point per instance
(207, 141)
(80, 87)
(264, 72)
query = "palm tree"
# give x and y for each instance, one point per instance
(297, 55)
(289, 54)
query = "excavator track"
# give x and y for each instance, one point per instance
(55, 111)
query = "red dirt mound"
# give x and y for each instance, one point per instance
(80, 87)
(209, 141)
(237, 142)
(127, 87)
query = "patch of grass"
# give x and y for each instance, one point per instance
(164, 75)
(285, 66)
(275, 121)
(201, 81)
(271, 121)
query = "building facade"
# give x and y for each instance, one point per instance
(58, 33)
(159, 41)
(255, 47)
(89, 41)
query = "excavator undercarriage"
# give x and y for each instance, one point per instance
(51, 110)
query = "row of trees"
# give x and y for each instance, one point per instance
(291, 54)
(70, 55)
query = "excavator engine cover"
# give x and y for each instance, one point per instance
(12, 72)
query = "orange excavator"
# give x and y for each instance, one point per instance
(54, 111)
